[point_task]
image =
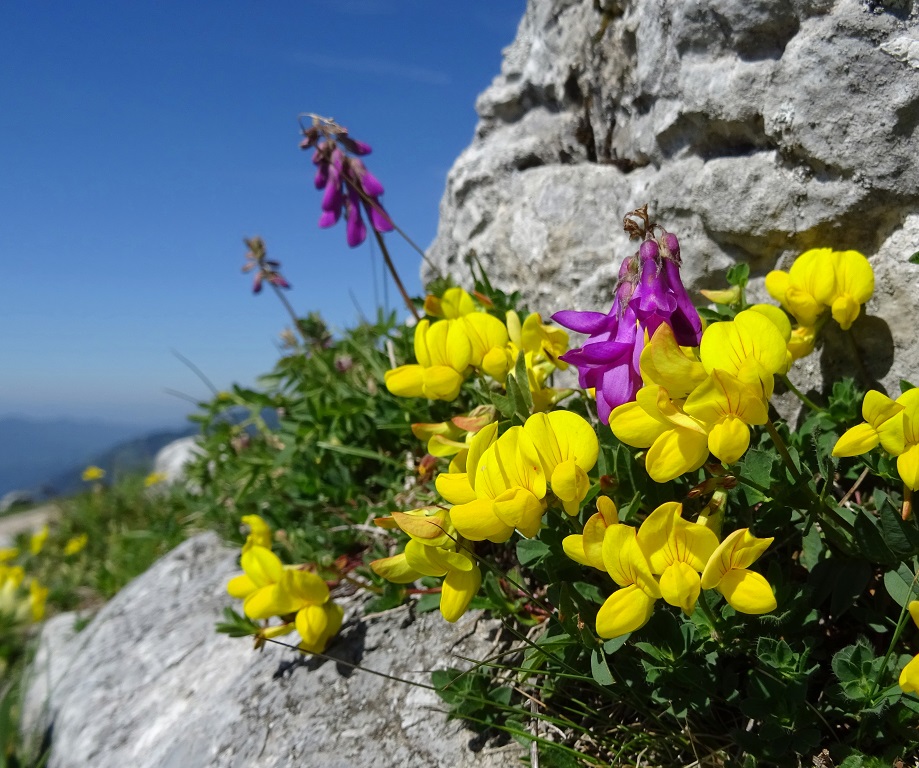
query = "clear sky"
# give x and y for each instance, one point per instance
(142, 141)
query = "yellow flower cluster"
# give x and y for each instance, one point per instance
(822, 278)
(691, 404)
(294, 594)
(500, 484)
(893, 424)
(21, 600)
(464, 339)
(497, 484)
(667, 557)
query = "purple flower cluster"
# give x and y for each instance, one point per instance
(347, 183)
(649, 293)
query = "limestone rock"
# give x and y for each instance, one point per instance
(755, 130)
(171, 459)
(149, 683)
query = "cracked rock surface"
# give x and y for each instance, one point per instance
(756, 129)
(150, 684)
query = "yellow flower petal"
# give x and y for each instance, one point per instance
(664, 362)
(626, 610)
(405, 381)
(520, 509)
(855, 441)
(634, 426)
(909, 677)
(241, 586)
(395, 569)
(440, 382)
(675, 452)
(455, 487)
(747, 592)
(262, 566)
(680, 586)
(458, 589)
(908, 466)
(477, 521)
(878, 408)
(729, 439)
(304, 586)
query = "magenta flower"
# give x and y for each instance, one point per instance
(649, 293)
(348, 185)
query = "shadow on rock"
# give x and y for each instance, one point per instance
(347, 651)
(864, 352)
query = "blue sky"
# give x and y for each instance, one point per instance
(143, 141)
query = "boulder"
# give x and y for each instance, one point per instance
(171, 459)
(755, 130)
(150, 684)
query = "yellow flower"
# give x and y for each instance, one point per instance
(877, 410)
(38, 539)
(629, 608)
(488, 339)
(677, 550)
(443, 352)
(154, 478)
(750, 347)
(727, 406)
(93, 473)
(75, 545)
(587, 548)
(257, 585)
(567, 447)
(802, 341)
(727, 571)
(455, 302)
(509, 484)
(435, 549)
(900, 437)
(807, 287)
(666, 363)
(820, 278)
(676, 442)
(854, 286)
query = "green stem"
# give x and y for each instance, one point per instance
(710, 615)
(290, 311)
(783, 451)
(901, 625)
(395, 275)
(800, 395)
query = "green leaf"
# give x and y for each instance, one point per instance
(901, 536)
(900, 584)
(523, 382)
(905, 386)
(611, 646)
(531, 552)
(812, 548)
(428, 603)
(599, 668)
(914, 259)
(738, 275)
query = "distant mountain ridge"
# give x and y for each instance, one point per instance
(47, 456)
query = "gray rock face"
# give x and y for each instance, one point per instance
(171, 459)
(150, 684)
(755, 130)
